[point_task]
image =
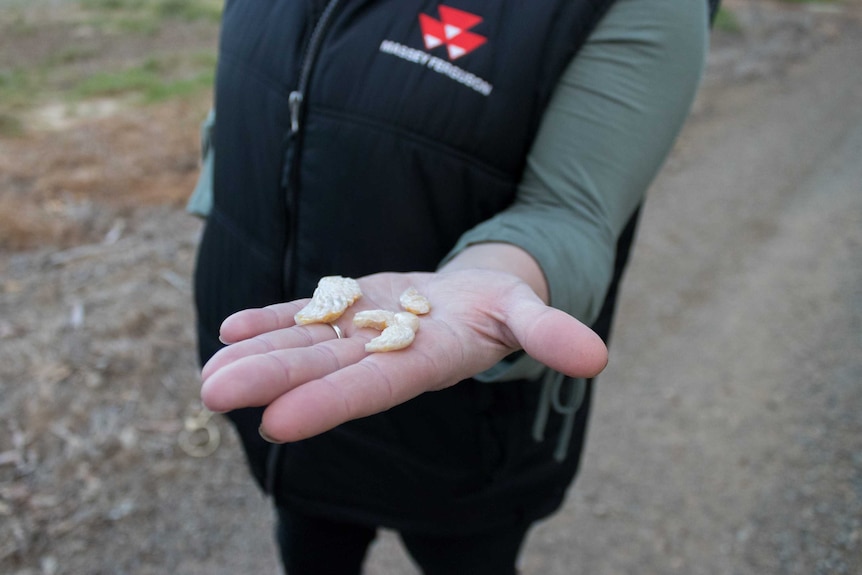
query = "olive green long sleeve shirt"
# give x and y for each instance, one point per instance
(609, 127)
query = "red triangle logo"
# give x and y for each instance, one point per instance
(452, 29)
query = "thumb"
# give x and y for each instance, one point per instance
(557, 339)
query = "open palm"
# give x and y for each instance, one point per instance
(311, 381)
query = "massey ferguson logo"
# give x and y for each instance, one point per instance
(452, 29)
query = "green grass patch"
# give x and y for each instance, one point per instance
(17, 87)
(70, 55)
(146, 10)
(726, 21)
(142, 25)
(10, 126)
(188, 10)
(154, 80)
(141, 78)
(71, 71)
(146, 17)
(109, 5)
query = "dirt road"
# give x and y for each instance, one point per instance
(726, 437)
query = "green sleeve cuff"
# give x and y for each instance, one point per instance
(201, 201)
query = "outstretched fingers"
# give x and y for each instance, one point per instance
(294, 337)
(259, 379)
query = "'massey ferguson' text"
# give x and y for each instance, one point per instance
(438, 65)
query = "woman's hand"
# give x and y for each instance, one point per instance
(311, 381)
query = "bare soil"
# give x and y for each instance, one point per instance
(726, 436)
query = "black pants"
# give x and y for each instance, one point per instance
(315, 546)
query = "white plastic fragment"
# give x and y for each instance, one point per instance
(398, 329)
(333, 295)
(415, 302)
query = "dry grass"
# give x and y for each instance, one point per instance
(61, 187)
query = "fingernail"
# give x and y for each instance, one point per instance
(266, 437)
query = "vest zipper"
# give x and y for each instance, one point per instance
(297, 96)
(295, 102)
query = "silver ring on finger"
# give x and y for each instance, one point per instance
(338, 333)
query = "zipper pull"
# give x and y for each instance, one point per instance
(294, 103)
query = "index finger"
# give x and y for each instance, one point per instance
(251, 322)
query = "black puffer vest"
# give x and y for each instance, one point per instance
(359, 136)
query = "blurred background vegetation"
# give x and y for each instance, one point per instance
(78, 50)
(143, 51)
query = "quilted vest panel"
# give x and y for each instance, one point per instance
(414, 126)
